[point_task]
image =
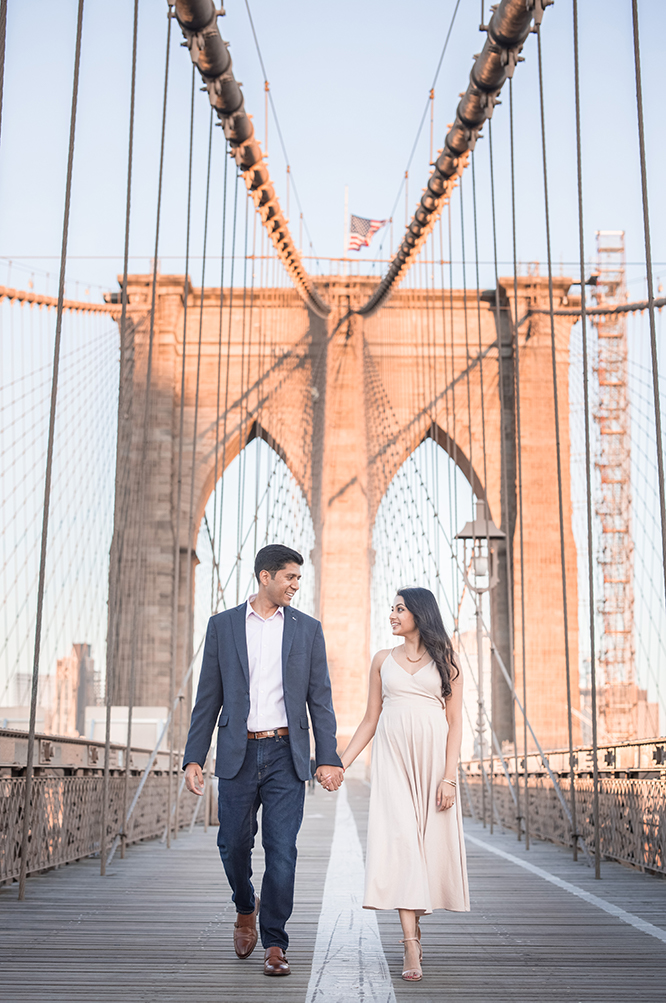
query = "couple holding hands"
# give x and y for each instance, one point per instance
(264, 667)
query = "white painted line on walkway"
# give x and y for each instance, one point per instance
(612, 910)
(349, 962)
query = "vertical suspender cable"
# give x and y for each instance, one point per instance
(505, 477)
(650, 283)
(3, 46)
(260, 361)
(453, 409)
(214, 605)
(477, 596)
(189, 603)
(112, 646)
(242, 423)
(149, 364)
(446, 401)
(226, 384)
(179, 478)
(29, 769)
(516, 350)
(565, 611)
(588, 459)
(132, 676)
(483, 441)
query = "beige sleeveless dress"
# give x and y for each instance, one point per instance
(416, 854)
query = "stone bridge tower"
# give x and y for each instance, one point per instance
(337, 401)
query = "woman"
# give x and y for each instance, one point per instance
(416, 854)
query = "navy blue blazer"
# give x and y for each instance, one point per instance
(224, 685)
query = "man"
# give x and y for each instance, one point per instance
(263, 665)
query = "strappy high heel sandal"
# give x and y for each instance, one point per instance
(413, 974)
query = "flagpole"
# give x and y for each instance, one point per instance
(346, 233)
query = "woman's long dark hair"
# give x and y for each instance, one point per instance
(422, 604)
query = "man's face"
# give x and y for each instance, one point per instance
(281, 589)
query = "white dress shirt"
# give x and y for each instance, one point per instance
(264, 656)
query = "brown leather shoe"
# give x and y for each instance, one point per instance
(245, 932)
(275, 962)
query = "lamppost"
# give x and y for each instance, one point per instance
(481, 531)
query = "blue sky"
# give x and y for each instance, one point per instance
(349, 81)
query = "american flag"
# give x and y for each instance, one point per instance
(361, 231)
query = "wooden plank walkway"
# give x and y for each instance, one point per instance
(158, 928)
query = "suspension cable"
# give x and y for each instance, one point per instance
(179, 475)
(213, 606)
(650, 281)
(516, 350)
(29, 770)
(560, 502)
(269, 99)
(3, 46)
(112, 638)
(506, 514)
(242, 425)
(428, 107)
(507, 31)
(483, 433)
(226, 384)
(139, 557)
(588, 460)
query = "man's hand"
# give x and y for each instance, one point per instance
(194, 778)
(330, 777)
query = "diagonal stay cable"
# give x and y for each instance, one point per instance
(3, 45)
(113, 598)
(423, 116)
(507, 31)
(277, 126)
(650, 280)
(27, 813)
(588, 461)
(558, 449)
(542, 754)
(179, 477)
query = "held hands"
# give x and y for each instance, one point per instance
(330, 777)
(194, 778)
(446, 794)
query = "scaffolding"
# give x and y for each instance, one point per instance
(618, 693)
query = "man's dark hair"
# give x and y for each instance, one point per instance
(275, 557)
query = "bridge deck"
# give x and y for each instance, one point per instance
(159, 929)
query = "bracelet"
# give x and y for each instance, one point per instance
(454, 783)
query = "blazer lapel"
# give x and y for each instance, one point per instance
(288, 632)
(238, 626)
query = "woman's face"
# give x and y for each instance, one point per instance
(401, 620)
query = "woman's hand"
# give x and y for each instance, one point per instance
(446, 795)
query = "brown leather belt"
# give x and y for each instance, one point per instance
(268, 734)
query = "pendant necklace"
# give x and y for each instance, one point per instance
(414, 660)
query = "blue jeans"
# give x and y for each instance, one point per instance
(267, 777)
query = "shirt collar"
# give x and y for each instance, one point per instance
(250, 612)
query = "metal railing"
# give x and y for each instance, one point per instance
(66, 800)
(632, 799)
